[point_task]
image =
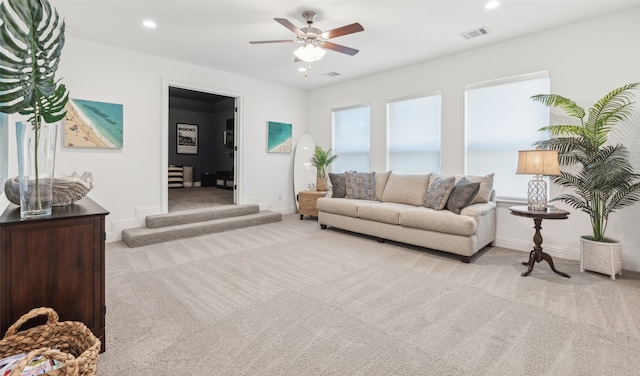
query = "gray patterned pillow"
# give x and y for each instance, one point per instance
(339, 184)
(361, 185)
(463, 195)
(438, 193)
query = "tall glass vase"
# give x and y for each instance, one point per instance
(36, 162)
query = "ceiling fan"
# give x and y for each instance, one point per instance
(315, 41)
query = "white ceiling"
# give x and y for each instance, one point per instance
(216, 33)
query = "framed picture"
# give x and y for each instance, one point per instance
(278, 137)
(187, 138)
(91, 124)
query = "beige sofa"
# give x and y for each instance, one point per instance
(414, 209)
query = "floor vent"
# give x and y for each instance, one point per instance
(331, 74)
(475, 33)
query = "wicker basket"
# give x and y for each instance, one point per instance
(601, 257)
(70, 342)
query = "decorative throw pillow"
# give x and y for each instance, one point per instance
(463, 195)
(361, 185)
(438, 192)
(339, 184)
(381, 182)
(486, 187)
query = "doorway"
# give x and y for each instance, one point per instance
(201, 148)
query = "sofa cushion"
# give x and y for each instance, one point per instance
(381, 183)
(462, 195)
(386, 212)
(341, 206)
(406, 189)
(438, 220)
(438, 193)
(338, 184)
(361, 185)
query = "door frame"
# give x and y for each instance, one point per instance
(237, 138)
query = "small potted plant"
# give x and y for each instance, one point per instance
(33, 37)
(599, 173)
(320, 160)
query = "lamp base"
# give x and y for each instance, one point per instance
(537, 195)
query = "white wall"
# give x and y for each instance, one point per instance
(585, 60)
(128, 182)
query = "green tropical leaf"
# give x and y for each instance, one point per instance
(553, 100)
(610, 109)
(52, 108)
(32, 37)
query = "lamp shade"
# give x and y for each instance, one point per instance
(309, 53)
(538, 162)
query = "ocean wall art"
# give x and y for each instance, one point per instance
(90, 124)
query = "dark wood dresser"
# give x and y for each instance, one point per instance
(55, 262)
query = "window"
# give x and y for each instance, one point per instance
(413, 135)
(501, 119)
(351, 138)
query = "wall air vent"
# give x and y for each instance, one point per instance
(475, 33)
(331, 74)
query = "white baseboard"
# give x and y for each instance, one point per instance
(141, 214)
(628, 263)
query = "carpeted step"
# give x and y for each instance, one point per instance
(199, 215)
(137, 237)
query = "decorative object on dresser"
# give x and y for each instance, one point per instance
(599, 173)
(56, 262)
(36, 32)
(66, 189)
(321, 160)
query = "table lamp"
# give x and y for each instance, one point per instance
(539, 163)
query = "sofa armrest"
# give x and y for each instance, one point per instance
(479, 209)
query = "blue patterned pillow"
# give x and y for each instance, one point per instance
(438, 193)
(361, 185)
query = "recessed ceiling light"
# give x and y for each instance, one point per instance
(150, 24)
(492, 4)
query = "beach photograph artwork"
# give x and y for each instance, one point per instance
(278, 137)
(90, 124)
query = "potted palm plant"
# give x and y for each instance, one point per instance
(32, 37)
(320, 160)
(599, 173)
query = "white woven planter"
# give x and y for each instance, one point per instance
(601, 257)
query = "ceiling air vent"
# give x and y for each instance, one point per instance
(475, 33)
(331, 74)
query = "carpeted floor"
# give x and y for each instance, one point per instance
(198, 197)
(290, 299)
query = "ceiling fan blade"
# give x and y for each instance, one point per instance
(344, 30)
(340, 48)
(272, 41)
(286, 23)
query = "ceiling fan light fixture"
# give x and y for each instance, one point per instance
(309, 53)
